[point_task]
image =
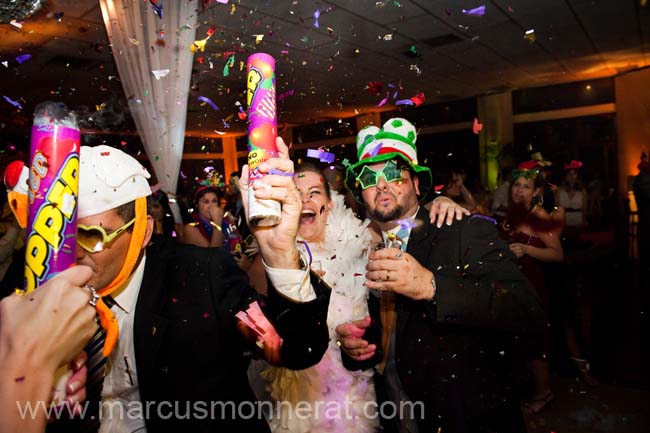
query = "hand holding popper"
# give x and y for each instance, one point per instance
(52, 192)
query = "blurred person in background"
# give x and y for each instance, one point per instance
(205, 230)
(534, 237)
(456, 190)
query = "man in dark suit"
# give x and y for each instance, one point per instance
(452, 299)
(181, 357)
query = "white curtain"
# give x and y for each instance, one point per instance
(158, 106)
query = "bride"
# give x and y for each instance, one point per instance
(337, 242)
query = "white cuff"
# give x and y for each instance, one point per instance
(292, 283)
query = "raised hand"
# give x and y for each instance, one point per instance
(277, 243)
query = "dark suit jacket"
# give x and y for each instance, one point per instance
(191, 360)
(453, 353)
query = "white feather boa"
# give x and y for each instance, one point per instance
(343, 258)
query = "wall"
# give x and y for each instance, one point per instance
(632, 123)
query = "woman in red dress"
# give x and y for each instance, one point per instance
(534, 236)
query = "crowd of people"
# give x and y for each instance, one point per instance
(430, 299)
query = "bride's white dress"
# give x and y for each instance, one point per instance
(339, 400)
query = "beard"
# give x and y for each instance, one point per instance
(385, 216)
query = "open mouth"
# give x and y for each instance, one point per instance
(385, 200)
(307, 216)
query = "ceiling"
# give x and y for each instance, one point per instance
(415, 46)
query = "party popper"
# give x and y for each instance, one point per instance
(262, 132)
(53, 189)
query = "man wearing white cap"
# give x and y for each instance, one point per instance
(451, 298)
(181, 354)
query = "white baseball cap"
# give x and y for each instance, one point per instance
(109, 178)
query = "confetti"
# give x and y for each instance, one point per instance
(321, 155)
(417, 69)
(233, 8)
(229, 64)
(316, 16)
(258, 39)
(416, 100)
(134, 41)
(23, 58)
(242, 114)
(388, 37)
(376, 149)
(412, 52)
(383, 101)
(160, 73)
(157, 8)
(199, 45)
(483, 217)
(476, 12)
(16, 24)
(286, 94)
(280, 172)
(219, 132)
(5, 64)
(12, 102)
(375, 87)
(407, 223)
(209, 102)
(477, 127)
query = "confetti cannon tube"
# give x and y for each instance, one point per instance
(262, 131)
(53, 189)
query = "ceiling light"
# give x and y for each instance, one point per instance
(18, 9)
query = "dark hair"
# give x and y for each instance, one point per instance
(203, 190)
(308, 166)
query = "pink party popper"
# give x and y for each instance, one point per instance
(262, 132)
(53, 192)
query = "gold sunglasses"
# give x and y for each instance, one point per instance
(94, 238)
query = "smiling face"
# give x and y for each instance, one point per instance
(389, 201)
(523, 191)
(315, 206)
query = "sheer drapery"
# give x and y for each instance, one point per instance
(157, 97)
